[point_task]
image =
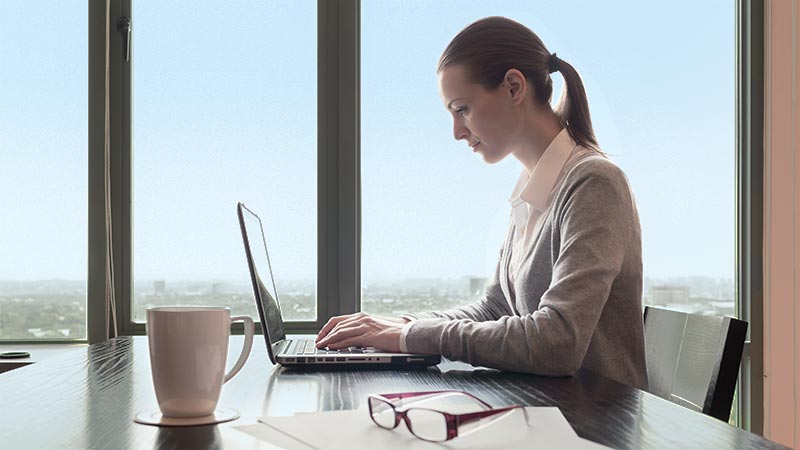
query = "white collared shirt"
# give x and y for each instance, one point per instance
(529, 199)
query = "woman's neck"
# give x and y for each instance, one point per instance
(536, 135)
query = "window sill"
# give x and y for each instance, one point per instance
(39, 352)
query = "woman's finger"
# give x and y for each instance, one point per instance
(351, 321)
(330, 325)
(335, 338)
(345, 321)
(349, 342)
(326, 328)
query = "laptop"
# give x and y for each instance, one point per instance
(303, 352)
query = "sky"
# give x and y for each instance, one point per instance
(224, 104)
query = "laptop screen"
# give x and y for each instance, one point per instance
(261, 275)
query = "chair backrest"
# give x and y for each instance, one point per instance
(693, 360)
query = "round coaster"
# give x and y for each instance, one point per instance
(156, 418)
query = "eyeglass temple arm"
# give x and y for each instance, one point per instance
(402, 395)
(462, 419)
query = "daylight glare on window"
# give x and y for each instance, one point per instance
(230, 115)
(43, 170)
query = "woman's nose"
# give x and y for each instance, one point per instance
(459, 131)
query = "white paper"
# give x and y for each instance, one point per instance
(353, 429)
(448, 365)
(275, 438)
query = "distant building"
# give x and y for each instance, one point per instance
(159, 287)
(476, 285)
(669, 294)
(723, 308)
(220, 288)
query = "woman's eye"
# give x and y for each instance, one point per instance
(461, 111)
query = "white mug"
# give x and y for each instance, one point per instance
(188, 352)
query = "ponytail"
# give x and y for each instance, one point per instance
(573, 107)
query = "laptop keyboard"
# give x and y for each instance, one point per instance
(309, 347)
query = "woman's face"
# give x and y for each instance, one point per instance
(481, 117)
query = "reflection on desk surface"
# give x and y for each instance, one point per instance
(290, 390)
(287, 393)
(92, 396)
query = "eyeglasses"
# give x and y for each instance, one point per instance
(430, 424)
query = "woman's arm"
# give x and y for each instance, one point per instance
(595, 222)
(492, 306)
(385, 332)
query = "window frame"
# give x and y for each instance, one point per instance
(750, 33)
(338, 167)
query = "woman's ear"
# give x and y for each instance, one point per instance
(515, 84)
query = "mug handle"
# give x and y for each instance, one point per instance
(249, 329)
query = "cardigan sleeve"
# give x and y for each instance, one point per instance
(491, 306)
(593, 217)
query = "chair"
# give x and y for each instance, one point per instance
(693, 360)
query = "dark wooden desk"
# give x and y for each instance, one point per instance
(88, 398)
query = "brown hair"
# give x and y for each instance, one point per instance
(491, 46)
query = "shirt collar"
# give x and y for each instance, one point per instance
(536, 188)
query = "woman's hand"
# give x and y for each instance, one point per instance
(361, 329)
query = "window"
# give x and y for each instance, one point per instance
(43, 170)
(663, 108)
(221, 116)
(210, 129)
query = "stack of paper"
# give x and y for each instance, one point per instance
(354, 429)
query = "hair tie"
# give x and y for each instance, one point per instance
(553, 63)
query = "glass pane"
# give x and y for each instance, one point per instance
(663, 107)
(43, 169)
(224, 111)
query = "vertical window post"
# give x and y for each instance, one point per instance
(339, 158)
(120, 49)
(749, 201)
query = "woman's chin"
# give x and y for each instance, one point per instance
(491, 158)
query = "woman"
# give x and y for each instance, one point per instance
(567, 290)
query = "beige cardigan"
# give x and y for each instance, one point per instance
(576, 299)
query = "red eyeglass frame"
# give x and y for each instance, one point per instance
(452, 421)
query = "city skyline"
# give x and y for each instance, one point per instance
(57, 310)
(702, 284)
